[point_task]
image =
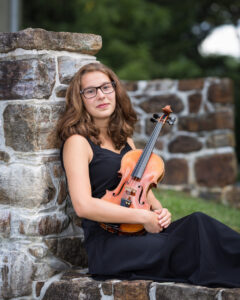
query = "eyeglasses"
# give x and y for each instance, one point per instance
(91, 92)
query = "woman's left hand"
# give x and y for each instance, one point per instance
(164, 217)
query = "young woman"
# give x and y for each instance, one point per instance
(96, 131)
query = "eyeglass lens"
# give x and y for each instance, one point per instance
(91, 92)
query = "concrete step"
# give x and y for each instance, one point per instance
(74, 285)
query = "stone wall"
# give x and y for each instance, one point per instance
(198, 149)
(40, 236)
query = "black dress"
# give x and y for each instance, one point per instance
(196, 249)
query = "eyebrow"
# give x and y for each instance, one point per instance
(90, 87)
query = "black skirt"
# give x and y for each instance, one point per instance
(196, 249)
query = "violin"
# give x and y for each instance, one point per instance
(140, 171)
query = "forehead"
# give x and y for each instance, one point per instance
(95, 78)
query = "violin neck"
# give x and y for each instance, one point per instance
(144, 158)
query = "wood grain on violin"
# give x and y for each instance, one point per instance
(140, 171)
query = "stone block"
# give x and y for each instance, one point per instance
(220, 139)
(221, 92)
(155, 104)
(75, 289)
(42, 224)
(207, 122)
(130, 86)
(5, 222)
(61, 91)
(128, 290)
(62, 191)
(190, 84)
(16, 274)
(27, 78)
(25, 185)
(194, 102)
(176, 171)
(177, 291)
(32, 127)
(68, 66)
(159, 85)
(217, 170)
(41, 39)
(69, 249)
(230, 294)
(184, 144)
(231, 195)
(4, 156)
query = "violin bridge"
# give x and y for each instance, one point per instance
(130, 191)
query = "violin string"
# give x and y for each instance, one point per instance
(140, 167)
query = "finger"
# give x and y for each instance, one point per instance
(163, 213)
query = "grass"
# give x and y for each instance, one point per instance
(181, 204)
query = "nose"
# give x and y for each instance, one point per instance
(100, 94)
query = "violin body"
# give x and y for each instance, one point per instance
(140, 171)
(132, 192)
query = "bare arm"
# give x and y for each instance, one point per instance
(77, 154)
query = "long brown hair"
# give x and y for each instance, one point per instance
(76, 120)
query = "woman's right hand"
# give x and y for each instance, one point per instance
(151, 222)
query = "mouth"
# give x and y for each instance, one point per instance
(102, 105)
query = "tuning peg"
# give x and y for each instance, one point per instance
(153, 120)
(171, 120)
(156, 116)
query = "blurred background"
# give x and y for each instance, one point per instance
(146, 39)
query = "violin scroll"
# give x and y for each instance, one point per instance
(165, 117)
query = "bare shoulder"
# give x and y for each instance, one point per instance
(77, 146)
(131, 143)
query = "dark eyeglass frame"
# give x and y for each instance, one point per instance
(113, 83)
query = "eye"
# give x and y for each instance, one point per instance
(107, 86)
(89, 92)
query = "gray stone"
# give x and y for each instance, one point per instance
(4, 156)
(68, 66)
(41, 39)
(220, 139)
(69, 249)
(25, 185)
(32, 127)
(159, 85)
(167, 291)
(17, 273)
(5, 222)
(27, 78)
(75, 289)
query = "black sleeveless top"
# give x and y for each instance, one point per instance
(103, 169)
(103, 172)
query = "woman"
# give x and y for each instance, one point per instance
(96, 131)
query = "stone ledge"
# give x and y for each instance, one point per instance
(40, 39)
(75, 285)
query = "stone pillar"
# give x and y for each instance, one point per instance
(38, 236)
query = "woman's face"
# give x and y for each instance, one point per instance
(101, 105)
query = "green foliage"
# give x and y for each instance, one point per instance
(146, 39)
(181, 204)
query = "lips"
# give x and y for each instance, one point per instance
(102, 105)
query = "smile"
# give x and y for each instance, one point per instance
(103, 105)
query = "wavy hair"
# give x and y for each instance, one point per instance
(76, 119)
